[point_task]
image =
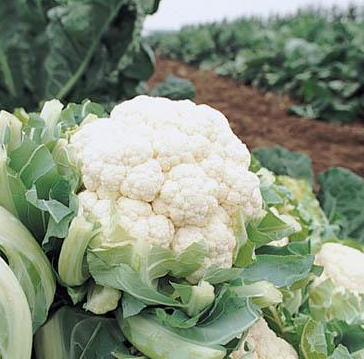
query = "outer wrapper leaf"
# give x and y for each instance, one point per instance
(71, 333)
(29, 264)
(16, 323)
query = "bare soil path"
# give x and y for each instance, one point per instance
(261, 119)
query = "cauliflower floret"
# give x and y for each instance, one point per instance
(230, 148)
(218, 237)
(108, 153)
(138, 219)
(343, 265)
(202, 120)
(143, 182)
(188, 196)
(265, 344)
(214, 167)
(243, 192)
(156, 112)
(90, 205)
(171, 148)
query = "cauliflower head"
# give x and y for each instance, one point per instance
(174, 171)
(265, 344)
(343, 265)
(339, 292)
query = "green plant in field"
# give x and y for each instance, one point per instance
(72, 50)
(316, 56)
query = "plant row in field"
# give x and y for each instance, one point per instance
(316, 56)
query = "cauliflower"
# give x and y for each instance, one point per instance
(219, 238)
(265, 344)
(136, 217)
(174, 171)
(343, 265)
(339, 292)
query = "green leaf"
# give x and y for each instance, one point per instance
(10, 131)
(71, 49)
(270, 228)
(74, 114)
(178, 319)
(57, 210)
(282, 271)
(77, 294)
(244, 250)
(222, 326)
(216, 275)
(342, 198)
(313, 341)
(124, 278)
(340, 353)
(131, 306)
(29, 265)
(71, 333)
(284, 162)
(262, 293)
(230, 316)
(138, 329)
(197, 297)
(16, 324)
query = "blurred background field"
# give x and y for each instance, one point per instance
(284, 74)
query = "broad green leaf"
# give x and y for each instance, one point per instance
(124, 278)
(313, 341)
(131, 306)
(262, 293)
(342, 198)
(196, 297)
(230, 316)
(29, 265)
(284, 162)
(138, 331)
(16, 323)
(71, 333)
(216, 275)
(282, 271)
(270, 228)
(340, 353)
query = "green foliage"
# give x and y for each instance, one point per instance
(39, 178)
(29, 265)
(284, 162)
(72, 50)
(282, 271)
(315, 55)
(231, 314)
(16, 323)
(175, 88)
(71, 333)
(342, 198)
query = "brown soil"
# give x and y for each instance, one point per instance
(261, 119)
